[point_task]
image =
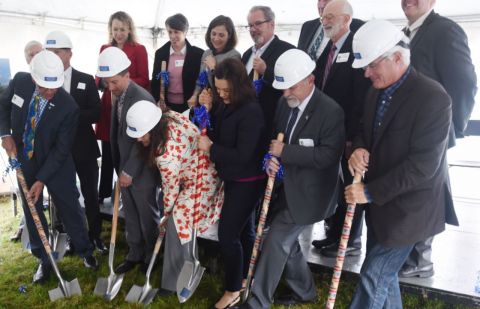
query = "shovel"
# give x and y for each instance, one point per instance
(259, 235)
(58, 241)
(65, 288)
(144, 295)
(109, 287)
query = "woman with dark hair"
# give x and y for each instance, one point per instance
(235, 148)
(121, 33)
(183, 65)
(189, 184)
(221, 39)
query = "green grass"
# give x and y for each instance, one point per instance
(17, 267)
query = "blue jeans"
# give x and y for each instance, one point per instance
(378, 286)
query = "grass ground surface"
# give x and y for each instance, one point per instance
(17, 267)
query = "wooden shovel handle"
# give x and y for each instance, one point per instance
(116, 204)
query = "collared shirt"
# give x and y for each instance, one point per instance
(417, 24)
(182, 52)
(120, 104)
(68, 79)
(257, 52)
(385, 98)
(340, 42)
(301, 108)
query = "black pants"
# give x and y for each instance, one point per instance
(106, 173)
(236, 230)
(179, 108)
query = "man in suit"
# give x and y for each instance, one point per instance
(137, 179)
(335, 76)
(261, 57)
(401, 147)
(310, 153)
(38, 120)
(85, 150)
(312, 38)
(440, 50)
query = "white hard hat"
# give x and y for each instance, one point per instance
(46, 69)
(142, 117)
(57, 39)
(291, 67)
(112, 60)
(372, 40)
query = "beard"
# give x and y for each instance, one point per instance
(333, 31)
(293, 101)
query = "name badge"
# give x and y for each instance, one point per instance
(81, 86)
(18, 101)
(179, 63)
(306, 142)
(343, 57)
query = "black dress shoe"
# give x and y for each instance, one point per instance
(408, 271)
(100, 246)
(42, 273)
(332, 250)
(126, 266)
(17, 235)
(90, 262)
(291, 300)
(319, 244)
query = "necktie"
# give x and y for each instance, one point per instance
(316, 44)
(291, 122)
(407, 31)
(328, 66)
(30, 126)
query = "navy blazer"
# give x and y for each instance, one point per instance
(85, 93)
(191, 69)
(440, 50)
(54, 134)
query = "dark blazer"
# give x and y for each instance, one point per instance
(85, 93)
(440, 50)
(311, 173)
(126, 150)
(54, 134)
(191, 68)
(268, 97)
(407, 176)
(238, 132)
(346, 85)
(309, 28)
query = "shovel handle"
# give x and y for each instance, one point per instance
(116, 204)
(261, 224)
(342, 247)
(162, 94)
(255, 76)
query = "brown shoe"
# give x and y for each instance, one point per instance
(17, 235)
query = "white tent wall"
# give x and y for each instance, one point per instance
(86, 23)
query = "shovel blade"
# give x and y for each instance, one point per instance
(26, 240)
(109, 287)
(188, 280)
(134, 294)
(148, 296)
(59, 245)
(71, 288)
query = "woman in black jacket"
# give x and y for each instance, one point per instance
(235, 148)
(183, 65)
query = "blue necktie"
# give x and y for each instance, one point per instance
(291, 122)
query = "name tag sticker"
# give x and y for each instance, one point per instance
(81, 86)
(306, 142)
(343, 57)
(179, 63)
(18, 101)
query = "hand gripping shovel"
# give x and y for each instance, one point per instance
(58, 241)
(337, 270)
(109, 287)
(144, 295)
(259, 235)
(192, 271)
(65, 288)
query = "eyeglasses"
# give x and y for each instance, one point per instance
(375, 63)
(329, 17)
(257, 24)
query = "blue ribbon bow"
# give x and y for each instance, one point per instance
(202, 80)
(280, 173)
(201, 117)
(166, 77)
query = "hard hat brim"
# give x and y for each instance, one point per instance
(49, 85)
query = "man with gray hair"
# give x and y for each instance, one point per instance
(401, 147)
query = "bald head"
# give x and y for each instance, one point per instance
(31, 49)
(336, 19)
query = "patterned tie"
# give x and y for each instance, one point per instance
(328, 66)
(314, 48)
(30, 126)
(291, 122)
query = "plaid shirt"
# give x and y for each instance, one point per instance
(384, 100)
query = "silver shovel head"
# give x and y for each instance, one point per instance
(109, 287)
(59, 244)
(142, 295)
(188, 280)
(26, 240)
(71, 288)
